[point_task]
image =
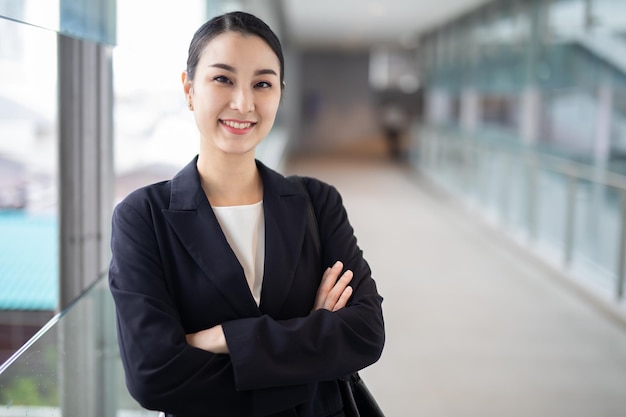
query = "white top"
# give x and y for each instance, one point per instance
(244, 228)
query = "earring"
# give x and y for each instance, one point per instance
(190, 104)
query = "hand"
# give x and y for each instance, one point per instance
(211, 340)
(333, 294)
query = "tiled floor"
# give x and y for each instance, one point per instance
(474, 327)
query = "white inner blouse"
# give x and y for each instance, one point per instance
(244, 228)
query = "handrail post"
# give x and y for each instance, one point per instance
(621, 268)
(532, 196)
(570, 212)
(507, 161)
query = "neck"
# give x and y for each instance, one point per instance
(232, 180)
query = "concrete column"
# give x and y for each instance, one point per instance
(438, 106)
(86, 163)
(85, 200)
(470, 110)
(530, 115)
(604, 115)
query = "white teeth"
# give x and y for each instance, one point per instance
(237, 125)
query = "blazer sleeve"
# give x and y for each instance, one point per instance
(162, 371)
(323, 345)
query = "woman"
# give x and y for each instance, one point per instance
(222, 305)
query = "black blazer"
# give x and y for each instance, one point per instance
(173, 273)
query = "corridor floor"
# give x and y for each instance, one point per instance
(474, 326)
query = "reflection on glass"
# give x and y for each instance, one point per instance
(92, 20)
(567, 18)
(607, 16)
(72, 367)
(28, 182)
(32, 383)
(41, 13)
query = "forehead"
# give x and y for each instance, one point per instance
(239, 50)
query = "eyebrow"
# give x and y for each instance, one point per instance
(232, 69)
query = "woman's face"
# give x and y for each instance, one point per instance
(235, 93)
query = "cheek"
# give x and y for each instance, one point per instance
(209, 98)
(271, 106)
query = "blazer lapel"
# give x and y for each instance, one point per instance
(195, 224)
(285, 224)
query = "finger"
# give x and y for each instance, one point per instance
(337, 290)
(343, 299)
(325, 286)
(329, 278)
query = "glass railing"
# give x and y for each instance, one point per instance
(572, 214)
(71, 367)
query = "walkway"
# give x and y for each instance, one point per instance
(474, 326)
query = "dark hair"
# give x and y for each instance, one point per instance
(240, 22)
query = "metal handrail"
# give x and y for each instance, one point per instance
(573, 172)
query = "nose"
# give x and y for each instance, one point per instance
(243, 100)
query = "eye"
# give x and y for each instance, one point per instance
(263, 84)
(221, 79)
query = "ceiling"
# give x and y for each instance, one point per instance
(364, 23)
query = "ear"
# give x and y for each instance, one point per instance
(187, 84)
(188, 89)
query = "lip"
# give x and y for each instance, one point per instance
(231, 125)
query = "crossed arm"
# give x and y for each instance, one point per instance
(333, 294)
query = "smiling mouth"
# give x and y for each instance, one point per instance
(238, 125)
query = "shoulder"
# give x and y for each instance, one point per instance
(325, 198)
(140, 211)
(321, 192)
(288, 185)
(147, 198)
(180, 192)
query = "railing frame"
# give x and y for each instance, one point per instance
(431, 155)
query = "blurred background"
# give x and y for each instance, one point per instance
(479, 145)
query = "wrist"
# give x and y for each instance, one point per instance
(216, 340)
(212, 340)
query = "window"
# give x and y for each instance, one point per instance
(28, 182)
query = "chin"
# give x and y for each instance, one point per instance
(239, 151)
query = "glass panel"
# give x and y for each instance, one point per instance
(92, 20)
(570, 55)
(48, 377)
(42, 13)
(28, 182)
(550, 206)
(563, 107)
(529, 195)
(597, 228)
(567, 18)
(491, 166)
(609, 16)
(517, 193)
